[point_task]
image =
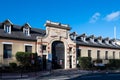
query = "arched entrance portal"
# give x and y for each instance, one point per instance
(58, 55)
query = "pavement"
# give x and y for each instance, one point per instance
(60, 74)
(23, 76)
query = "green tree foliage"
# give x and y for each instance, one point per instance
(85, 62)
(26, 58)
(114, 63)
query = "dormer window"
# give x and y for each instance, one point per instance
(106, 41)
(7, 28)
(83, 39)
(112, 41)
(92, 40)
(100, 41)
(26, 29)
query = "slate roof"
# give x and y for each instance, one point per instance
(17, 33)
(87, 42)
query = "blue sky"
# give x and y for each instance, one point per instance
(96, 17)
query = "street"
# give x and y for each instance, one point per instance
(102, 76)
(73, 74)
(81, 76)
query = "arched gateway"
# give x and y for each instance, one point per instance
(56, 49)
(58, 55)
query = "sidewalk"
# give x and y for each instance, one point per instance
(26, 76)
(41, 74)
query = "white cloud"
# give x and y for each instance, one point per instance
(95, 17)
(113, 16)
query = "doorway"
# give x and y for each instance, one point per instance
(58, 55)
(70, 61)
(44, 62)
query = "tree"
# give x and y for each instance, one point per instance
(85, 62)
(114, 63)
(26, 58)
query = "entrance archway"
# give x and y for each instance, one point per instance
(58, 55)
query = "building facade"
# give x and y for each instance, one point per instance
(97, 48)
(14, 38)
(57, 47)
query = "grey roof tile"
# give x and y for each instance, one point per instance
(17, 33)
(96, 43)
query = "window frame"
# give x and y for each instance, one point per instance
(113, 54)
(78, 53)
(26, 48)
(89, 53)
(106, 55)
(26, 31)
(98, 54)
(7, 28)
(7, 52)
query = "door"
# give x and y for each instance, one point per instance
(70, 61)
(44, 62)
(58, 55)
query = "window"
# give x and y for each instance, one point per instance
(92, 40)
(70, 50)
(43, 48)
(26, 31)
(99, 41)
(113, 54)
(7, 49)
(28, 48)
(7, 28)
(106, 55)
(78, 53)
(98, 54)
(89, 53)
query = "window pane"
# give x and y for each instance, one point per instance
(113, 54)
(28, 48)
(89, 53)
(43, 47)
(7, 51)
(106, 54)
(70, 49)
(78, 53)
(98, 54)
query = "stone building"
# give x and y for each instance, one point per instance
(97, 47)
(14, 38)
(57, 47)
(57, 44)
